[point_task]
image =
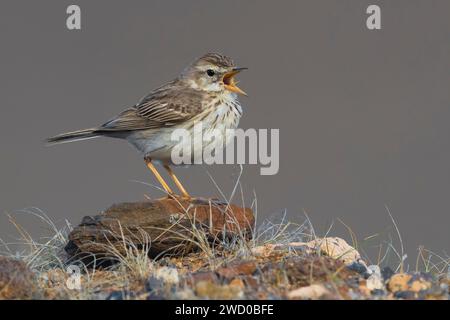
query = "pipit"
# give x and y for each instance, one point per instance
(204, 92)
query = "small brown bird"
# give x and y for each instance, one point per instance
(205, 92)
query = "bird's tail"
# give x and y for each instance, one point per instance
(74, 136)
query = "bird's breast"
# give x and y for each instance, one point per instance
(214, 120)
(222, 113)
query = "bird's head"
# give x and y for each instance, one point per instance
(213, 72)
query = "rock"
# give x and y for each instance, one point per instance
(375, 282)
(358, 267)
(121, 295)
(312, 292)
(154, 296)
(337, 248)
(185, 294)
(417, 286)
(53, 278)
(167, 275)
(406, 295)
(162, 280)
(237, 269)
(164, 226)
(399, 282)
(196, 277)
(363, 289)
(353, 282)
(209, 290)
(420, 282)
(375, 279)
(374, 269)
(17, 281)
(387, 273)
(444, 287)
(378, 293)
(263, 251)
(251, 281)
(238, 283)
(154, 284)
(333, 247)
(300, 271)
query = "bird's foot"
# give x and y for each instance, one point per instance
(177, 197)
(196, 200)
(208, 201)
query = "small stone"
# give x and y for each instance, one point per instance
(364, 290)
(417, 286)
(336, 248)
(242, 268)
(209, 290)
(374, 269)
(426, 276)
(357, 267)
(100, 296)
(167, 275)
(17, 281)
(406, 295)
(378, 293)
(209, 276)
(375, 282)
(399, 282)
(238, 283)
(120, 295)
(154, 284)
(312, 292)
(154, 295)
(53, 278)
(420, 282)
(387, 273)
(185, 294)
(353, 282)
(263, 251)
(251, 281)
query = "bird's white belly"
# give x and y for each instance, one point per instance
(159, 143)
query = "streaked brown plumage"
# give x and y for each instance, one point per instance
(205, 91)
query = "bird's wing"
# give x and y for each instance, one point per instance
(164, 107)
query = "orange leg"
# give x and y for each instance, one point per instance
(163, 183)
(177, 182)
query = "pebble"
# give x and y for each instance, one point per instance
(399, 282)
(312, 292)
(209, 290)
(387, 273)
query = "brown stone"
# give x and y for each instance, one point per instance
(17, 281)
(399, 282)
(303, 271)
(209, 276)
(237, 269)
(250, 281)
(209, 290)
(165, 226)
(333, 247)
(238, 283)
(312, 292)
(417, 286)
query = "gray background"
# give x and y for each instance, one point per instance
(363, 115)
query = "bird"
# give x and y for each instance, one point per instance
(205, 91)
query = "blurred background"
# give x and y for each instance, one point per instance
(363, 115)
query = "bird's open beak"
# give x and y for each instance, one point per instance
(229, 82)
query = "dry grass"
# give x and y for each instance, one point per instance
(134, 268)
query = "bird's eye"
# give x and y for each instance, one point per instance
(210, 72)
